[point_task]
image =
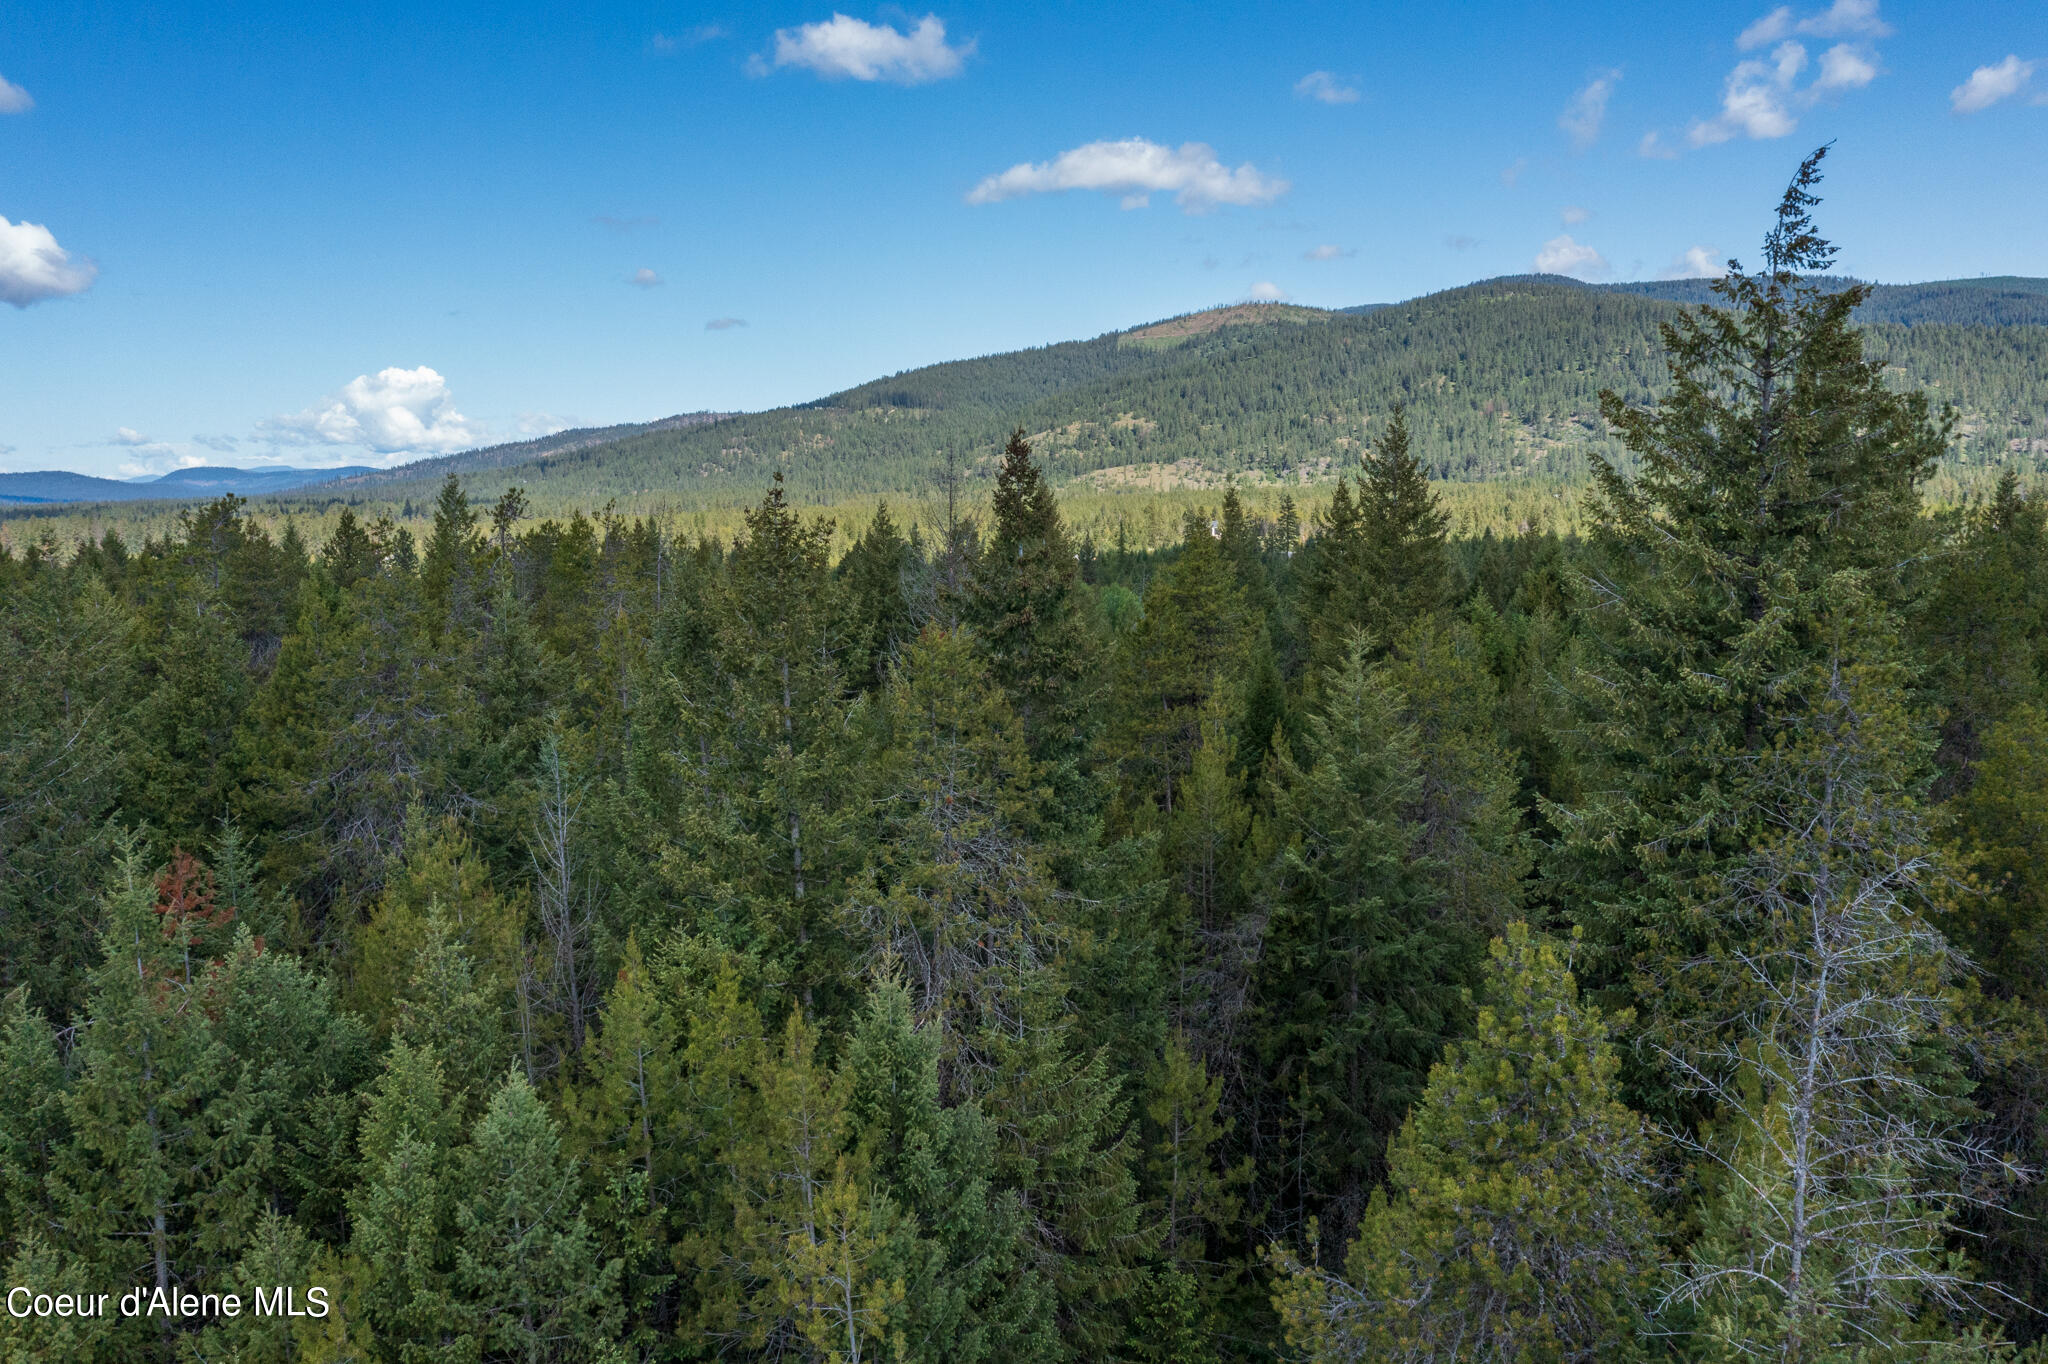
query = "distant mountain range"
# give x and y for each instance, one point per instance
(1501, 379)
(203, 482)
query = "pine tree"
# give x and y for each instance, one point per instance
(1779, 457)
(1359, 981)
(162, 1179)
(1197, 635)
(446, 1011)
(1025, 606)
(874, 571)
(33, 1127)
(955, 1241)
(401, 1250)
(1402, 523)
(957, 895)
(528, 1283)
(1516, 1225)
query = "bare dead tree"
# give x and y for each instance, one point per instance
(1840, 1157)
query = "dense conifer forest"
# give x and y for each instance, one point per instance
(1327, 937)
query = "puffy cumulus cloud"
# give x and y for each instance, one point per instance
(1582, 118)
(1563, 256)
(1266, 291)
(1843, 67)
(14, 99)
(1696, 262)
(34, 268)
(1988, 85)
(394, 411)
(1757, 101)
(1763, 96)
(1328, 252)
(844, 48)
(1325, 88)
(1135, 169)
(724, 324)
(644, 278)
(1572, 213)
(127, 435)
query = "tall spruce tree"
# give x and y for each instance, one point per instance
(1025, 606)
(1779, 457)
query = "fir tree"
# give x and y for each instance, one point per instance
(1024, 604)
(1516, 1225)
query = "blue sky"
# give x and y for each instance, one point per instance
(247, 232)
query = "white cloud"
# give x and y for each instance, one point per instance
(1757, 101)
(1654, 148)
(1765, 31)
(34, 268)
(1328, 252)
(1563, 256)
(1988, 85)
(724, 324)
(224, 444)
(1513, 173)
(1697, 262)
(1266, 291)
(844, 47)
(542, 424)
(645, 278)
(1763, 97)
(703, 33)
(1843, 19)
(1843, 67)
(1135, 169)
(127, 435)
(1572, 213)
(1582, 118)
(392, 411)
(14, 99)
(1325, 88)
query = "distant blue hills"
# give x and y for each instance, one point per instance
(205, 481)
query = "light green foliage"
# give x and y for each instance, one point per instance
(1516, 1224)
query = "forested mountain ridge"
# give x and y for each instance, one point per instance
(1500, 378)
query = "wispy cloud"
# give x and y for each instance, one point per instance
(724, 324)
(703, 33)
(33, 268)
(1696, 262)
(1582, 118)
(844, 48)
(128, 435)
(1988, 85)
(1655, 148)
(1572, 213)
(222, 444)
(1763, 96)
(1563, 256)
(1325, 88)
(392, 411)
(1513, 173)
(1135, 169)
(1328, 252)
(645, 278)
(14, 99)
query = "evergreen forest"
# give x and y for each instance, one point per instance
(1324, 937)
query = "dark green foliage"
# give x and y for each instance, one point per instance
(626, 944)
